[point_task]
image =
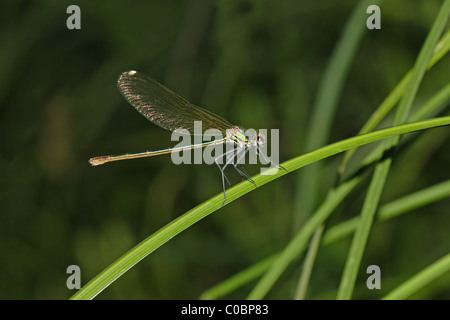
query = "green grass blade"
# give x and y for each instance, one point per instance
(392, 209)
(308, 179)
(415, 200)
(432, 104)
(118, 268)
(348, 227)
(309, 263)
(362, 231)
(391, 100)
(420, 280)
(340, 231)
(299, 241)
(238, 279)
(381, 171)
(325, 107)
(318, 133)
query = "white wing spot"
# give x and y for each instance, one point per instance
(131, 73)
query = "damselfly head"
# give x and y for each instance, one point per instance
(246, 138)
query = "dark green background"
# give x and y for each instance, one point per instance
(256, 63)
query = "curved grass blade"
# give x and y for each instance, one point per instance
(238, 279)
(139, 252)
(391, 100)
(420, 280)
(382, 169)
(420, 198)
(340, 231)
(325, 107)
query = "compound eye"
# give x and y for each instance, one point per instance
(260, 139)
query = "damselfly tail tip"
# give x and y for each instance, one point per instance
(98, 160)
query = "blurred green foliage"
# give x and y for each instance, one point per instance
(257, 63)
